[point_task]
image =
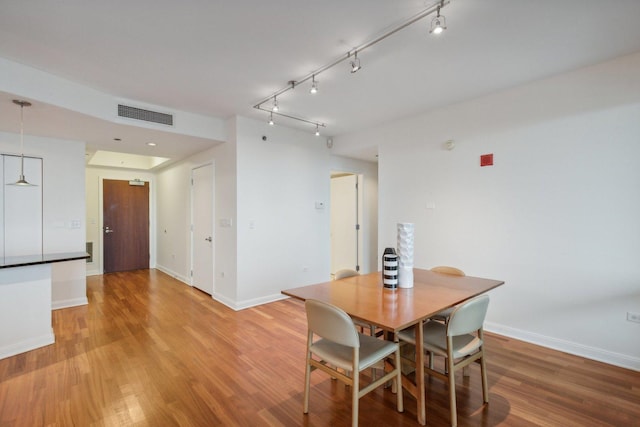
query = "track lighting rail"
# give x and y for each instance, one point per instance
(289, 116)
(291, 84)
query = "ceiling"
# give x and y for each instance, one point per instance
(219, 58)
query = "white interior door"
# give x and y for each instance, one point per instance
(202, 266)
(344, 222)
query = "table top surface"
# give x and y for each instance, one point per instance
(364, 297)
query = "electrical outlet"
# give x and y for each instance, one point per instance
(633, 317)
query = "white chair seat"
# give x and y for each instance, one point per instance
(435, 340)
(372, 350)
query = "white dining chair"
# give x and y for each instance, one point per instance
(343, 274)
(341, 346)
(460, 341)
(443, 315)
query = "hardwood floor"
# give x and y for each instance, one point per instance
(151, 351)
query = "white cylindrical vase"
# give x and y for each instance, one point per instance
(405, 255)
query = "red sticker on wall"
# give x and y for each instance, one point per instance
(486, 160)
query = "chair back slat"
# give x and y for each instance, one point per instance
(445, 269)
(344, 273)
(332, 323)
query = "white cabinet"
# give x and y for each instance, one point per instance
(20, 207)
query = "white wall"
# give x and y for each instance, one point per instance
(69, 284)
(63, 193)
(369, 226)
(63, 206)
(556, 217)
(174, 216)
(226, 207)
(268, 189)
(94, 177)
(20, 207)
(283, 240)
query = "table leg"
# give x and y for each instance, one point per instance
(421, 392)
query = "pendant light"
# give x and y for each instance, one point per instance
(22, 182)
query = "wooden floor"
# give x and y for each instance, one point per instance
(151, 351)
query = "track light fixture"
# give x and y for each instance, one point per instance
(314, 85)
(355, 64)
(439, 22)
(317, 130)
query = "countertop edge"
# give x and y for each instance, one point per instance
(24, 261)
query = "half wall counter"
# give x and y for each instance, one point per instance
(26, 300)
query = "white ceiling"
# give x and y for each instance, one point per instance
(219, 58)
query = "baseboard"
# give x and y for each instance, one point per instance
(237, 306)
(73, 302)
(593, 353)
(93, 272)
(27, 345)
(173, 274)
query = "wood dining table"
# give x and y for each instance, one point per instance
(364, 298)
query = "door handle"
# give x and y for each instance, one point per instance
(108, 230)
(208, 239)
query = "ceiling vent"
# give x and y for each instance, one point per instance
(145, 115)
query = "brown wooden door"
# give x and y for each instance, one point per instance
(126, 225)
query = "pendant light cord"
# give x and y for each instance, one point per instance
(22, 130)
(22, 141)
(21, 181)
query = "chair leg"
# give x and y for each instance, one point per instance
(307, 380)
(372, 332)
(355, 388)
(398, 382)
(483, 372)
(452, 387)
